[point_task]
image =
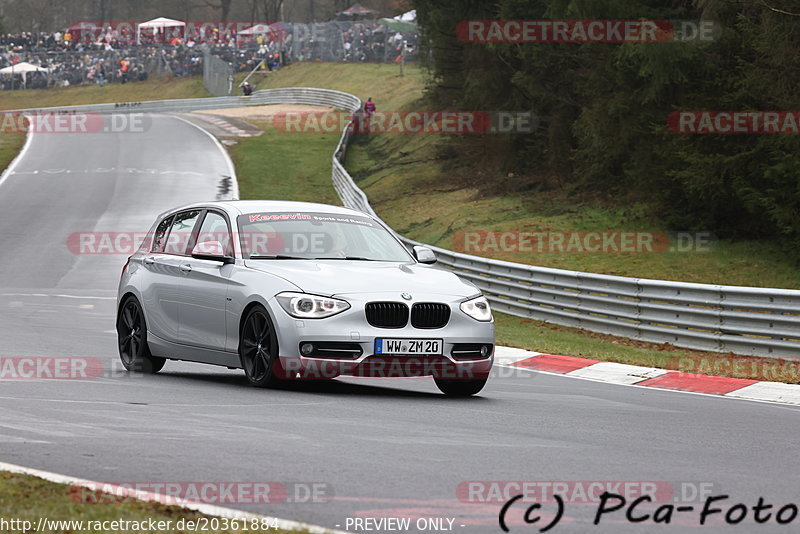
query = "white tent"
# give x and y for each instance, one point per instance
(275, 32)
(159, 24)
(23, 68)
(408, 16)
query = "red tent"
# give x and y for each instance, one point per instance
(357, 10)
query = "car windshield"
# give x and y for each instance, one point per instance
(319, 236)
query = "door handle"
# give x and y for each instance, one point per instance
(149, 261)
(186, 268)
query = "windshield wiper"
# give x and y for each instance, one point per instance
(289, 257)
(277, 257)
(353, 258)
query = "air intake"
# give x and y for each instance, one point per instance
(430, 315)
(387, 314)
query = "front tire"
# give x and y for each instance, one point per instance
(258, 349)
(132, 340)
(460, 388)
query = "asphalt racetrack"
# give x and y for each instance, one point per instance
(375, 448)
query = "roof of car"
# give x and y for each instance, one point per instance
(256, 206)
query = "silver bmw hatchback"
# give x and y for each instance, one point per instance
(295, 290)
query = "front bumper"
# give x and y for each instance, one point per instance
(350, 330)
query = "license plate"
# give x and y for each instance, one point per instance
(408, 346)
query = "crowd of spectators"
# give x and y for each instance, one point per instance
(70, 66)
(112, 58)
(72, 62)
(358, 42)
(369, 42)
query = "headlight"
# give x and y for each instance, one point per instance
(477, 308)
(305, 306)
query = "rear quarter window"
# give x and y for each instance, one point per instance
(160, 235)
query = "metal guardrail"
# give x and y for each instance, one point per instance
(292, 95)
(742, 320)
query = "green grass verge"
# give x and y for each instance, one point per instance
(278, 166)
(298, 166)
(10, 145)
(63, 502)
(163, 88)
(383, 83)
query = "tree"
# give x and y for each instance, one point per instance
(224, 7)
(603, 108)
(272, 10)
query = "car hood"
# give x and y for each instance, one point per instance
(342, 277)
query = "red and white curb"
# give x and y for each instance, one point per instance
(203, 508)
(634, 375)
(226, 126)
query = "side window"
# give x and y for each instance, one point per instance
(181, 232)
(160, 236)
(215, 228)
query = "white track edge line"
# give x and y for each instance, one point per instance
(208, 509)
(232, 169)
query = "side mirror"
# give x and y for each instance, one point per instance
(424, 255)
(211, 250)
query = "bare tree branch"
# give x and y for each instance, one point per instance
(776, 10)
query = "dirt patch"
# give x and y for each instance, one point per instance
(263, 112)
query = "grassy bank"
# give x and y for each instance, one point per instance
(383, 83)
(298, 166)
(282, 166)
(10, 145)
(61, 502)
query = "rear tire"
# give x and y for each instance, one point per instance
(258, 349)
(460, 388)
(132, 339)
